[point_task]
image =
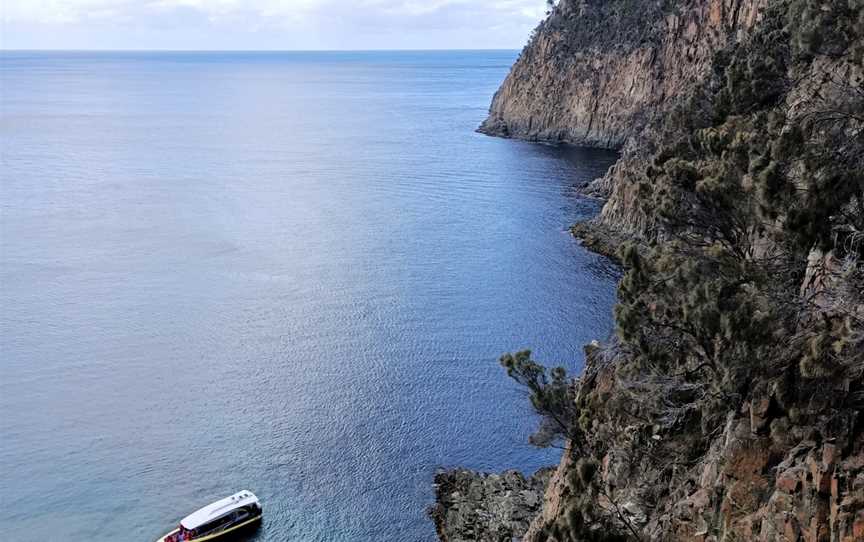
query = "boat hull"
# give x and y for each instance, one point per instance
(226, 533)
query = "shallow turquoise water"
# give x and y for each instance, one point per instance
(286, 272)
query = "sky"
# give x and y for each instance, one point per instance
(268, 24)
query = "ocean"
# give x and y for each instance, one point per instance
(291, 273)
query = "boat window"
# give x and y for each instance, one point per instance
(216, 524)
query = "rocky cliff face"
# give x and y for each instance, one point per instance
(729, 405)
(596, 71)
(772, 472)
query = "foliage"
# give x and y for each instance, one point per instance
(605, 24)
(551, 394)
(752, 182)
(741, 202)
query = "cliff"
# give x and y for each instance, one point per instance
(729, 404)
(594, 71)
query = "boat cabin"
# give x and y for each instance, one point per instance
(214, 520)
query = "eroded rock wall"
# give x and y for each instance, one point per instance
(596, 70)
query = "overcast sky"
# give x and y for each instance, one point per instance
(268, 24)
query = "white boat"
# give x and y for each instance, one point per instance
(218, 519)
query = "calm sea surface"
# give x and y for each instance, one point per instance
(291, 273)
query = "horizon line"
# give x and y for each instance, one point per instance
(381, 50)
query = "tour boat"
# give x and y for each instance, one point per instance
(215, 520)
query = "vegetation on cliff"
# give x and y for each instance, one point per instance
(729, 405)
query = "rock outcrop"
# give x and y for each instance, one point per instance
(472, 506)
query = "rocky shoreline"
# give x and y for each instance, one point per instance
(599, 239)
(474, 506)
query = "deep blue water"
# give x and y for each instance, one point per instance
(286, 272)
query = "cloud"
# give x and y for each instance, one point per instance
(276, 12)
(275, 24)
